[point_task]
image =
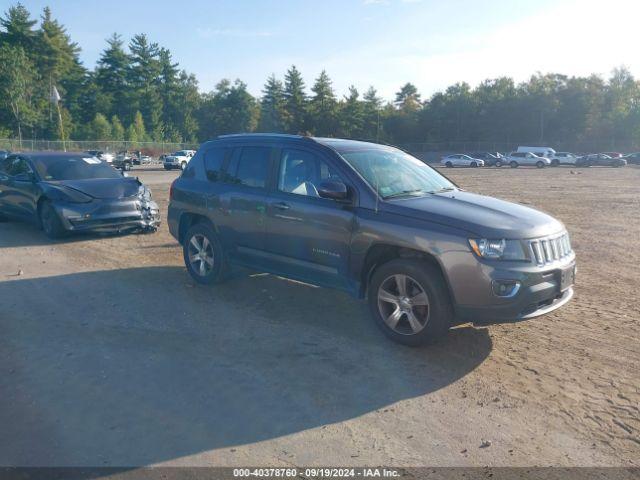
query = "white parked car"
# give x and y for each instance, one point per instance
(540, 151)
(461, 160)
(563, 158)
(178, 159)
(515, 159)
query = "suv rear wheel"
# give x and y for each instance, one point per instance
(203, 254)
(410, 302)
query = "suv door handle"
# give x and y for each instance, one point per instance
(281, 206)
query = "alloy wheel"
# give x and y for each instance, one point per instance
(403, 304)
(201, 256)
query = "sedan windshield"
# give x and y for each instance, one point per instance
(394, 173)
(73, 168)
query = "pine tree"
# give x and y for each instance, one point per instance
(144, 78)
(323, 107)
(408, 98)
(17, 29)
(272, 106)
(17, 86)
(117, 130)
(352, 115)
(139, 128)
(295, 101)
(111, 77)
(372, 123)
(100, 128)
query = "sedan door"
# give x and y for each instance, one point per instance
(308, 237)
(18, 190)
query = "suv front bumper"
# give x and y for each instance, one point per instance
(540, 290)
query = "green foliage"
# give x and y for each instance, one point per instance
(117, 130)
(100, 128)
(139, 84)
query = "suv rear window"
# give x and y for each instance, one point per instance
(213, 159)
(251, 166)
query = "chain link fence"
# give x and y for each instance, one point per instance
(153, 149)
(429, 151)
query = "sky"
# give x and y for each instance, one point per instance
(384, 43)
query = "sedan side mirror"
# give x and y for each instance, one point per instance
(24, 177)
(333, 189)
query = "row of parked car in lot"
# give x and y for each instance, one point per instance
(364, 218)
(539, 157)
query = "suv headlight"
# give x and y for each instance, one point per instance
(499, 249)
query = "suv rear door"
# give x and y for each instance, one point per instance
(243, 202)
(308, 237)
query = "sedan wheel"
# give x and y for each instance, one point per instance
(474, 164)
(513, 164)
(498, 163)
(540, 164)
(403, 304)
(50, 222)
(448, 164)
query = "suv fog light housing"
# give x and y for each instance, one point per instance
(505, 288)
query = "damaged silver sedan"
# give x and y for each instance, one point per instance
(71, 192)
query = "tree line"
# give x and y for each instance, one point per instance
(137, 92)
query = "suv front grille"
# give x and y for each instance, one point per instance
(550, 249)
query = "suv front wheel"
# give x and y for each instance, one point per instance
(203, 254)
(410, 302)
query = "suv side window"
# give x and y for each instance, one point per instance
(213, 160)
(250, 167)
(301, 172)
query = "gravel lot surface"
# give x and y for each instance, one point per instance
(111, 355)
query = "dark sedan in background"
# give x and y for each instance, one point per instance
(600, 160)
(64, 192)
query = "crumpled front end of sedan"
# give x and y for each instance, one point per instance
(131, 213)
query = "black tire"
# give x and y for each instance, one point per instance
(555, 162)
(167, 168)
(215, 272)
(540, 164)
(127, 167)
(448, 165)
(498, 163)
(474, 164)
(513, 164)
(183, 165)
(422, 275)
(50, 221)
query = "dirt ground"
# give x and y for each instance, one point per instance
(111, 355)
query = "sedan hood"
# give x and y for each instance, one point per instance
(486, 217)
(104, 188)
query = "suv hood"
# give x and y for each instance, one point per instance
(486, 217)
(104, 188)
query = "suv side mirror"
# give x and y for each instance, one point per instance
(333, 189)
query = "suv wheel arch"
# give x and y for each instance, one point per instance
(188, 220)
(379, 254)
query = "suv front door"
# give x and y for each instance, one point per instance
(308, 236)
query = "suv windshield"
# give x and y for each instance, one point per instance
(73, 168)
(394, 173)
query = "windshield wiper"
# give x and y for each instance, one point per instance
(444, 189)
(404, 193)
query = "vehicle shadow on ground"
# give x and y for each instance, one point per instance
(137, 366)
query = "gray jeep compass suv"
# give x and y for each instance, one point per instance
(371, 220)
